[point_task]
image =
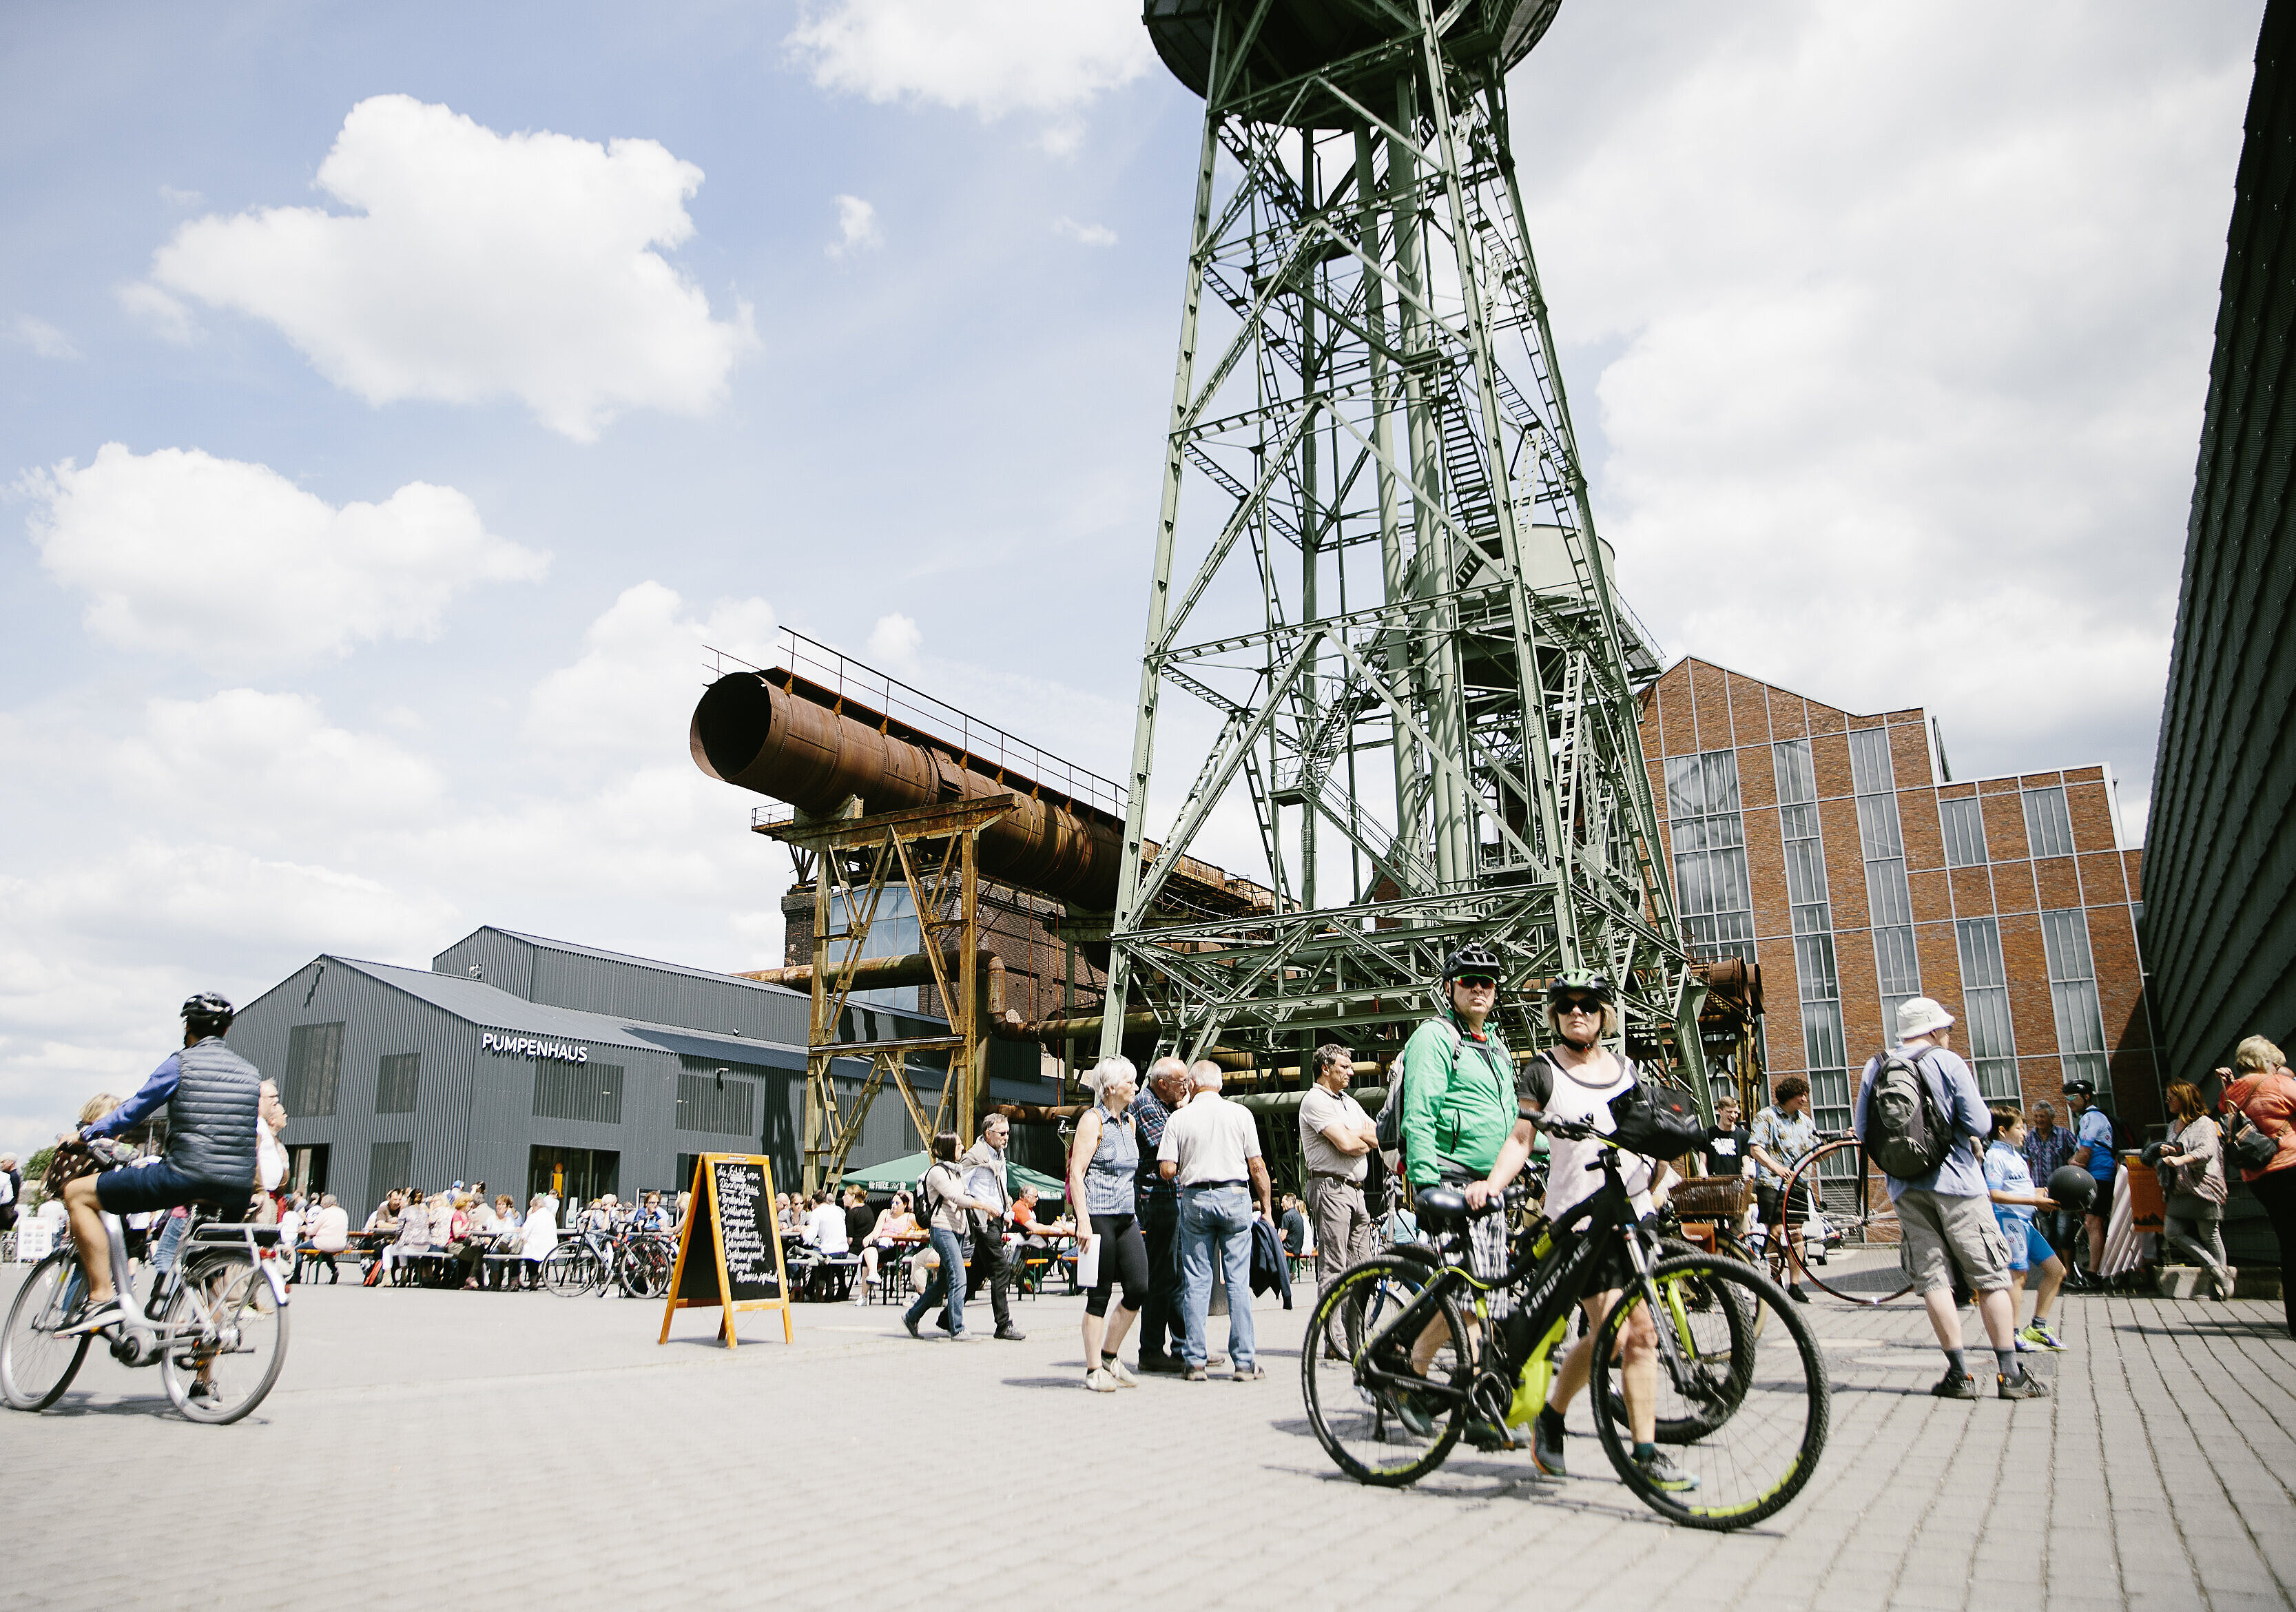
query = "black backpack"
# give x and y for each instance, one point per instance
(1908, 1133)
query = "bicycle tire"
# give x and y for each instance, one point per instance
(1873, 1223)
(571, 1270)
(36, 1366)
(243, 1319)
(1354, 1423)
(1760, 1456)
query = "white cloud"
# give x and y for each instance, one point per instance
(990, 57)
(1905, 324)
(173, 197)
(477, 265)
(255, 761)
(1083, 235)
(856, 228)
(232, 566)
(633, 691)
(158, 311)
(44, 340)
(1062, 139)
(893, 644)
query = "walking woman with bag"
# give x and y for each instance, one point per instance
(2264, 1098)
(2192, 1184)
(1104, 1172)
(945, 1206)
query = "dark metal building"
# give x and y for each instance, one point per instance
(2219, 925)
(530, 1064)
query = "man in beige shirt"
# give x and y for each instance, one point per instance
(1212, 1148)
(1336, 1138)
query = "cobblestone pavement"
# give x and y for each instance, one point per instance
(510, 1450)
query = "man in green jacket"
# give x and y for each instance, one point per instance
(1458, 1080)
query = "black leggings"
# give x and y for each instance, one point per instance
(1123, 1255)
(2275, 1190)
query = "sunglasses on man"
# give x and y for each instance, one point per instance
(1479, 982)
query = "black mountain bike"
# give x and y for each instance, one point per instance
(1740, 1385)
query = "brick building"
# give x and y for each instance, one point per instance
(1827, 847)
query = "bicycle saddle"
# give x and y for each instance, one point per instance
(1440, 1209)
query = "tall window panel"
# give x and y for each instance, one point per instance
(2047, 823)
(1823, 1045)
(1964, 822)
(2072, 992)
(1990, 1038)
(398, 1082)
(388, 1165)
(1712, 884)
(578, 1091)
(715, 1103)
(1896, 964)
(314, 1060)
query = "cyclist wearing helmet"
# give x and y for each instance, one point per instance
(212, 1096)
(1576, 1079)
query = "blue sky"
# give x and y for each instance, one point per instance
(1886, 326)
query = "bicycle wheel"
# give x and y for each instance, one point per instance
(1765, 1396)
(1861, 1216)
(1682, 1294)
(225, 1338)
(571, 1270)
(1380, 1431)
(36, 1365)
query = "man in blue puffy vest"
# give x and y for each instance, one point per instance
(213, 1097)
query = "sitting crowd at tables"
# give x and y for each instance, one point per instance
(464, 1225)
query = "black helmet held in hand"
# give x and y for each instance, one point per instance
(1473, 957)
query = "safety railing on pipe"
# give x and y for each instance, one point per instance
(979, 741)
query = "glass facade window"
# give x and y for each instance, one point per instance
(1990, 1038)
(1963, 822)
(1824, 1046)
(1712, 884)
(578, 1091)
(2073, 993)
(715, 1103)
(1897, 965)
(314, 1060)
(2048, 825)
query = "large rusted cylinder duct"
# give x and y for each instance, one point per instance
(789, 742)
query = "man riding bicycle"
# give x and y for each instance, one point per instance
(1576, 1080)
(213, 1097)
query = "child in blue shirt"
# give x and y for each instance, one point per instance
(2014, 1199)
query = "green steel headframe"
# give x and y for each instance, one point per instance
(1382, 629)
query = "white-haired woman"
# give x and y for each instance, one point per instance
(1104, 1167)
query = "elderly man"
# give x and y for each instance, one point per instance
(1210, 1149)
(985, 1179)
(2049, 1145)
(1160, 1220)
(1336, 1138)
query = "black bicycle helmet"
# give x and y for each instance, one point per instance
(1581, 982)
(1473, 957)
(2086, 1088)
(206, 1007)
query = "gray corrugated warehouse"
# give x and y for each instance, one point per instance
(517, 1060)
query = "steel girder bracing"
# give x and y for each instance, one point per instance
(1383, 645)
(934, 852)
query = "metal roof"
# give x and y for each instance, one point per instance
(656, 964)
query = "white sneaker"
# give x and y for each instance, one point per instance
(1100, 1382)
(1120, 1372)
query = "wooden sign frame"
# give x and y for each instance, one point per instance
(704, 1201)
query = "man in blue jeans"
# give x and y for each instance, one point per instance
(1211, 1151)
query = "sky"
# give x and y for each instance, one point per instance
(394, 401)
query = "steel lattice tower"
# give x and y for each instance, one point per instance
(1381, 634)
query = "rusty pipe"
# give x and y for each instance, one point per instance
(789, 738)
(907, 969)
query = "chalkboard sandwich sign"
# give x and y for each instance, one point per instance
(729, 1251)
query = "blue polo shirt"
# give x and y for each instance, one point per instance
(2095, 1134)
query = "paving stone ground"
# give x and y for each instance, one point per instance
(480, 1449)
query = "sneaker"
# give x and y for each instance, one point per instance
(1100, 1382)
(910, 1322)
(941, 1321)
(1488, 1437)
(200, 1389)
(1955, 1385)
(2023, 1385)
(1547, 1443)
(1215, 1360)
(1012, 1334)
(966, 1336)
(1795, 1292)
(2222, 1286)
(1117, 1370)
(1661, 1472)
(1247, 1374)
(1163, 1365)
(1412, 1414)
(95, 1318)
(1198, 1374)
(2039, 1334)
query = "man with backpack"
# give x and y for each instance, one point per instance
(1919, 1114)
(2092, 1150)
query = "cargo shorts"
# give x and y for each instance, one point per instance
(1942, 1232)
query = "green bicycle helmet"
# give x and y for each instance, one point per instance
(1581, 982)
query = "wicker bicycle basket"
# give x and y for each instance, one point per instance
(1712, 1196)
